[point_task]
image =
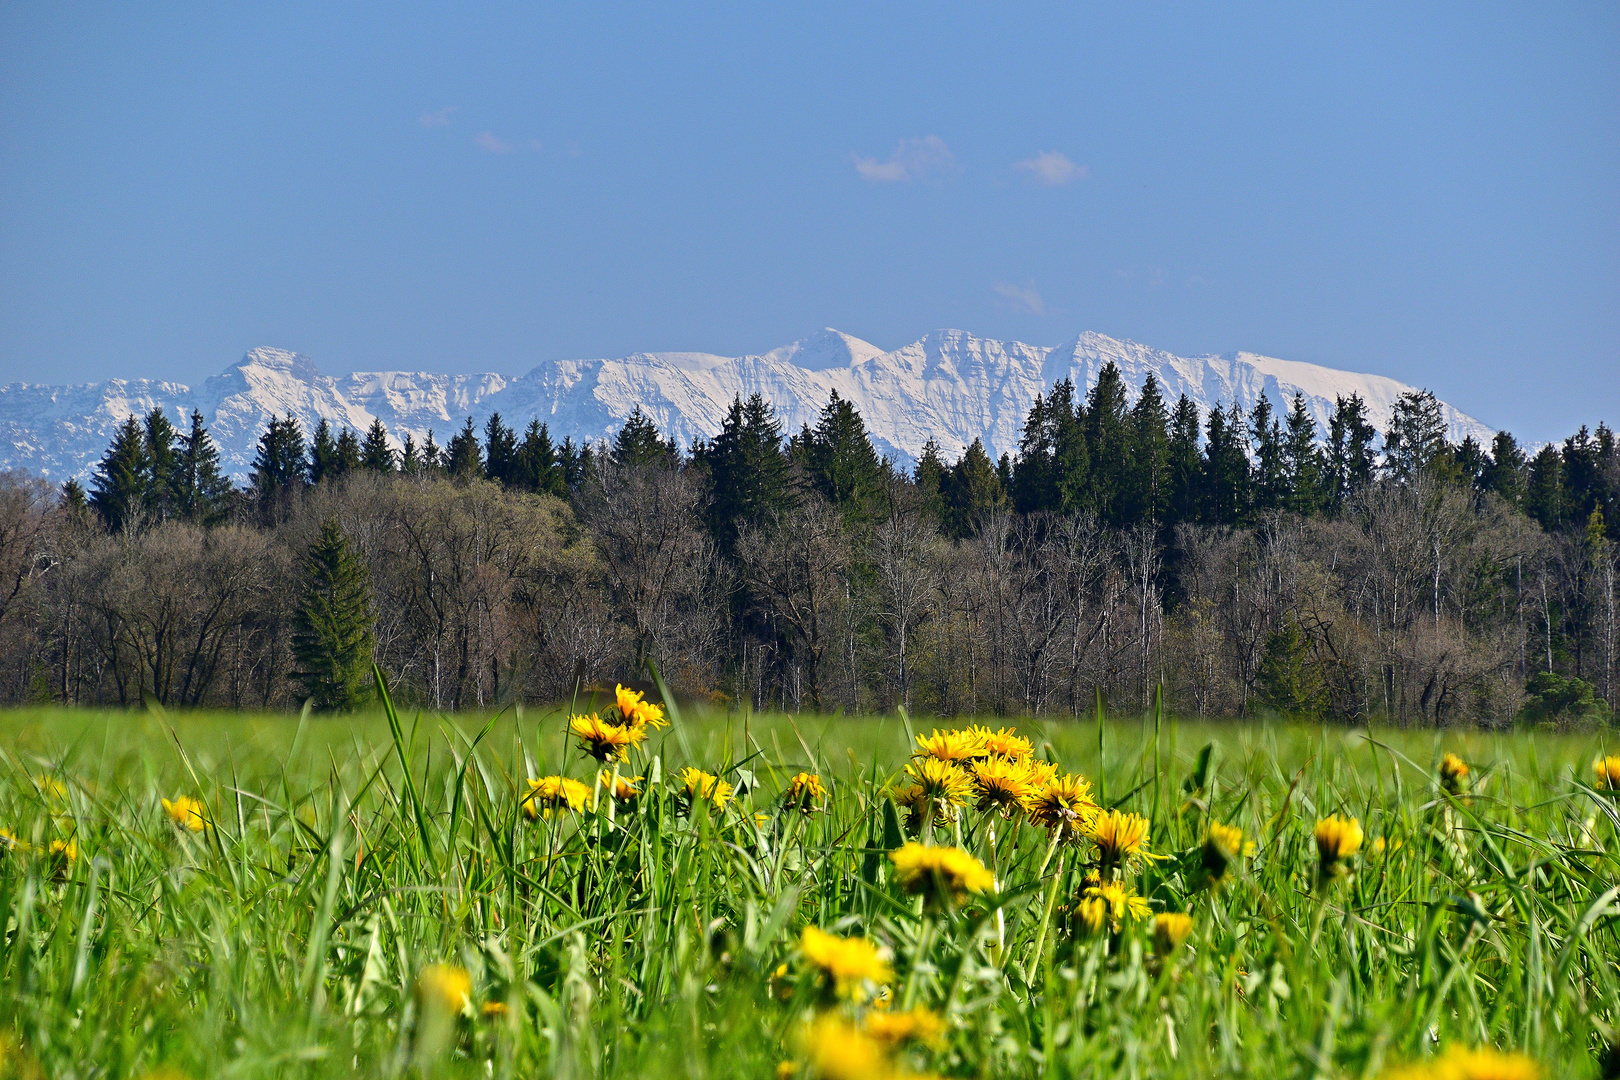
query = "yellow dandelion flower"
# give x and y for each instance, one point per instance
(1453, 772)
(1608, 772)
(64, 850)
(637, 712)
(625, 790)
(1460, 1063)
(444, 988)
(1171, 929)
(1120, 838)
(494, 1010)
(1336, 840)
(1004, 785)
(187, 812)
(1064, 806)
(1121, 902)
(912, 1025)
(941, 874)
(602, 740)
(1222, 845)
(837, 1050)
(700, 786)
(1004, 742)
(1092, 916)
(554, 793)
(853, 967)
(50, 787)
(805, 792)
(948, 785)
(10, 842)
(786, 1070)
(952, 746)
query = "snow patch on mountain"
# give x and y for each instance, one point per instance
(948, 386)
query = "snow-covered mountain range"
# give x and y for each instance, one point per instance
(949, 386)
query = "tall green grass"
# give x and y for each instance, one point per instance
(344, 856)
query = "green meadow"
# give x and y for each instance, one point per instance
(367, 895)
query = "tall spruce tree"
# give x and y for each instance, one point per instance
(748, 474)
(1504, 472)
(839, 459)
(280, 466)
(348, 452)
(1416, 439)
(1226, 483)
(1108, 442)
(1302, 461)
(161, 461)
(1146, 492)
(538, 468)
(929, 478)
(433, 458)
(1270, 471)
(324, 463)
(1351, 457)
(1544, 492)
(375, 453)
(202, 493)
(638, 442)
(332, 640)
(118, 489)
(500, 452)
(1183, 464)
(462, 458)
(971, 490)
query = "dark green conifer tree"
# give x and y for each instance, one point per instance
(280, 466)
(1226, 482)
(1544, 493)
(118, 489)
(161, 461)
(1145, 495)
(348, 453)
(410, 458)
(500, 452)
(538, 468)
(433, 458)
(1270, 468)
(929, 478)
(463, 459)
(324, 463)
(1108, 442)
(748, 474)
(575, 462)
(839, 459)
(971, 490)
(1183, 464)
(1416, 439)
(1504, 472)
(1302, 461)
(638, 442)
(332, 630)
(1289, 682)
(1351, 458)
(375, 453)
(202, 493)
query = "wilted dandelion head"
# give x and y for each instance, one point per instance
(1120, 838)
(912, 1025)
(1063, 806)
(1453, 773)
(1004, 742)
(1336, 840)
(186, 812)
(940, 874)
(853, 967)
(951, 746)
(554, 793)
(837, 1050)
(602, 740)
(1608, 772)
(699, 786)
(1003, 784)
(805, 792)
(444, 988)
(1171, 929)
(624, 788)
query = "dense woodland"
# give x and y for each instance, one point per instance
(1249, 564)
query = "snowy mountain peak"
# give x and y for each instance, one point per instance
(949, 386)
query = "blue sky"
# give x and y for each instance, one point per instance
(1429, 192)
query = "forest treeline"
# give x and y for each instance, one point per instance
(1249, 563)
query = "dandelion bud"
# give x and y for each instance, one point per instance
(1453, 773)
(1337, 840)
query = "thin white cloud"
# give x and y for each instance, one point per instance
(437, 118)
(488, 141)
(913, 159)
(1052, 169)
(1022, 298)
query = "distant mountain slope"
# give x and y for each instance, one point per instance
(949, 386)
